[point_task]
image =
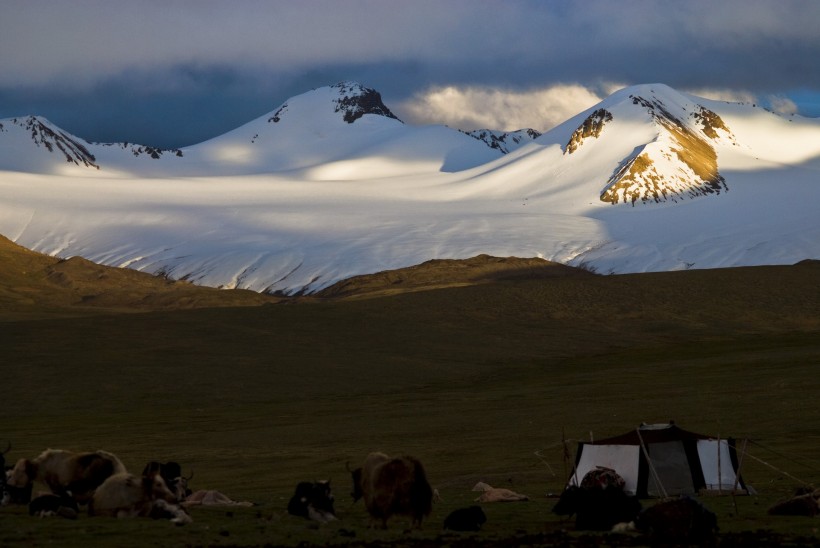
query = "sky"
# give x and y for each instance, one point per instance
(174, 73)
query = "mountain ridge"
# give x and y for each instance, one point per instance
(33, 285)
(649, 179)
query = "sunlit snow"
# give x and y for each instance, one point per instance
(297, 204)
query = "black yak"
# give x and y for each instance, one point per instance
(600, 503)
(465, 519)
(171, 472)
(313, 501)
(681, 520)
(54, 505)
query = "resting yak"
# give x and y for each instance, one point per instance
(313, 501)
(471, 518)
(683, 520)
(599, 503)
(804, 502)
(171, 472)
(66, 472)
(54, 505)
(126, 495)
(393, 486)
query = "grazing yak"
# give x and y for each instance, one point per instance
(681, 520)
(66, 471)
(393, 486)
(171, 472)
(599, 503)
(126, 495)
(313, 501)
(465, 519)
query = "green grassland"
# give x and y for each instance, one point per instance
(481, 380)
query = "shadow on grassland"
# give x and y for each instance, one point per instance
(472, 379)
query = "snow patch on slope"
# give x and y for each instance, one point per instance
(297, 204)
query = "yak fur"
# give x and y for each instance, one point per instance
(393, 486)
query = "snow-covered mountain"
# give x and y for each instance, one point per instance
(331, 184)
(505, 141)
(331, 132)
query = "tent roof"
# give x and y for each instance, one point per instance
(652, 433)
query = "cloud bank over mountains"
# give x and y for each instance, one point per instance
(179, 73)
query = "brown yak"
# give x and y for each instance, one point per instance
(127, 495)
(393, 486)
(66, 472)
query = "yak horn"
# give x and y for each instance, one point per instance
(7, 448)
(189, 478)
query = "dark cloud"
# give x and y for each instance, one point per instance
(172, 74)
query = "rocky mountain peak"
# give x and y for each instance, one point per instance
(504, 141)
(351, 99)
(53, 139)
(355, 101)
(591, 127)
(681, 163)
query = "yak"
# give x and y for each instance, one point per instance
(54, 505)
(66, 471)
(802, 503)
(600, 502)
(471, 518)
(5, 496)
(681, 520)
(171, 472)
(126, 495)
(393, 486)
(313, 501)
(597, 509)
(3, 459)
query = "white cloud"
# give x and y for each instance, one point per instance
(778, 103)
(782, 105)
(729, 95)
(474, 107)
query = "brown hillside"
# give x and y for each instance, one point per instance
(441, 273)
(33, 284)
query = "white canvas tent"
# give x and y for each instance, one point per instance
(662, 460)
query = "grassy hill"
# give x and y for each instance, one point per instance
(479, 368)
(37, 285)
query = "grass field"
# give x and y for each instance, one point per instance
(480, 382)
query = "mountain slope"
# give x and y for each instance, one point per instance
(441, 273)
(328, 133)
(680, 162)
(34, 285)
(672, 140)
(649, 179)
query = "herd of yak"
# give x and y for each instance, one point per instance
(388, 486)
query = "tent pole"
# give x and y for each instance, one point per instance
(737, 475)
(565, 451)
(720, 476)
(649, 462)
